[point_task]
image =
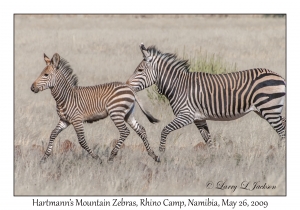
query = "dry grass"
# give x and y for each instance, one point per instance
(104, 49)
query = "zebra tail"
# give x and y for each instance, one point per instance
(148, 115)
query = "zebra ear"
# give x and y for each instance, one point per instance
(55, 60)
(47, 60)
(145, 52)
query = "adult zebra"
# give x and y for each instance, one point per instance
(196, 96)
(76, 105)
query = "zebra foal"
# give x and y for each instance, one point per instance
(76, 105)
(196, 96)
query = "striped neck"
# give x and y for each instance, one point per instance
(62, 89)
(171, 72)
(168, 80)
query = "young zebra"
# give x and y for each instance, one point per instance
(76, 105)
(196, 96)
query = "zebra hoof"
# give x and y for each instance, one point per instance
(161, 149)
(157, 159)
(212, 146)
(43, 160)
(281, 145)
(110, 161)
(96, 157)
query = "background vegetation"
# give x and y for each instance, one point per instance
(104, 49)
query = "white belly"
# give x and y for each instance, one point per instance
(204, 116)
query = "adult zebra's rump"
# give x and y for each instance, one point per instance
(196, 96)
(76, 105)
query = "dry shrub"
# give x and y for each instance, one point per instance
(139, 147)
(67, 146)
(37, 149)
(200, 146)
(54, 174)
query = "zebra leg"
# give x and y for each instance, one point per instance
(59, 127)
(124, 132)
(140, 130)
(277, 122)
(179, 122)
(203, 128)
(78, 126)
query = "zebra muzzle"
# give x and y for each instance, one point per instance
(34, 89)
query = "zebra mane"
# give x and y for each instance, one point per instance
(67, 71)
(181, 64)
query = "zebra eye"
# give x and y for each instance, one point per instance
(140, 70)
(46, 75)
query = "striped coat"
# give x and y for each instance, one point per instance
(76, 105)
(196, 96)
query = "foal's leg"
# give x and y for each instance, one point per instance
(59, 127)
(124, 132)
(140, 130)
(78, 126)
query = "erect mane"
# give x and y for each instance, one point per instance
(67, 71)
(181, 64)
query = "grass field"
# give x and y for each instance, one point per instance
(104, 49)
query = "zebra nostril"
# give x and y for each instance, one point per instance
(32, 88)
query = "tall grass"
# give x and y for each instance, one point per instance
(199, 61)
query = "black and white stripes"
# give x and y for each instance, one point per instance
(76, 105)
(196, 96)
